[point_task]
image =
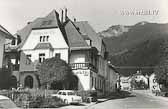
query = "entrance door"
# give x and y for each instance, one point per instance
(28, 82)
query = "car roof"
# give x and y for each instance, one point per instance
(2, 97)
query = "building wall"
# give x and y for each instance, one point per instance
(153, 85)
(24, 75)
(84, 79)
(2, 42)
(55, 38)
(125, 83)
(58, 43)
(113, 80)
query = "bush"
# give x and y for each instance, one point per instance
(48, 102)
(5, 75)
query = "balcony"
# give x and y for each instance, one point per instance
(15, 67)
(83, 66)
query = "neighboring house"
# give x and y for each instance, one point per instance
(74, 43)
(4, 35)
(45, 40)
(140, 77)
(125, 83)
(153, 84)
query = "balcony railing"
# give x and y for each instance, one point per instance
(83, 66)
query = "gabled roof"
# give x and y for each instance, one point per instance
(6, 33)
(50, 21)
(43, 46)
(85, 29)
(75, 39)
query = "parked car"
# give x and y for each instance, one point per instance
(68, 96)
(7, 103)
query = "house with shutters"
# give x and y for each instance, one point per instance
(74, 42)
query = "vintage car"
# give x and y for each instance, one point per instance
(68, 96)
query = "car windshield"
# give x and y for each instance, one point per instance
(71, 93)
(6, 103)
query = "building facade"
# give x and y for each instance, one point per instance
(4, 35)
(74, 42)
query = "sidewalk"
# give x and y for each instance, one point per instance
(149, 93)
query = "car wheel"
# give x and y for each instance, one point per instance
(66, 101)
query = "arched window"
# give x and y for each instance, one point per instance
(13, 82)
(28, 82)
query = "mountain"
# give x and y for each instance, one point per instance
(143, 46)
(138, 33)
(114, 31)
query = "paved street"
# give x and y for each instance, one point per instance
(138, 100)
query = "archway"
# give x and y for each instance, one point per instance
(28, 82)
(13, 82)
(74, 82)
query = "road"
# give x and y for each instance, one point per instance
(139, 100)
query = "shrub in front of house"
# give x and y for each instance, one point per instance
(46, 102)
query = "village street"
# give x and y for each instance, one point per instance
(137, 100)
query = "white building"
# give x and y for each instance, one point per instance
(75, 42)
(4, 36)
(125, 83)
(153, 84)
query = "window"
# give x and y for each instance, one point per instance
(92, 81)
(57, 55)
(41, 38)
(28, 59)
(13, 42)
(41, 57)
(47, 38)
(59, 93)
(44, 38)
(63, 93)
(71, 93)
(95, 83)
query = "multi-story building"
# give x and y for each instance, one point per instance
(74, 42)
(4, 36)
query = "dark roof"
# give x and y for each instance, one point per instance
(85, 29)
(6, 33)
(43, 46)
(75, 39)
(50, 21)
(86, 37)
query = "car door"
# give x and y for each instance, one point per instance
(59, 94)
(63, 95)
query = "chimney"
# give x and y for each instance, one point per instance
(74, 19)
(66, 11)
(62, 16)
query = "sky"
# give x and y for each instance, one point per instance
(101, 14)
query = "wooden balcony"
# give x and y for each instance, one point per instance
(83, 66)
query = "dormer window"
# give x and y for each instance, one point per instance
(44, 38)
(89, 42)
(41, 38)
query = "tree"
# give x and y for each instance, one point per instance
(5, 76)
(161, 72)
(55, 73)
